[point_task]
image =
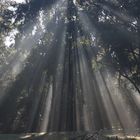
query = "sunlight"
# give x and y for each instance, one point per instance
(42, 28)
(74, 1)
(122, 15)
(46, 113)
(17, 1)
(69, 66)
(115, 102)
(88, 27)
(9, 40)
(31, 37)
(48, 103)
(127, 115)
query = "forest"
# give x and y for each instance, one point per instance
(70, 66)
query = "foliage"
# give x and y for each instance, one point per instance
(117, 28)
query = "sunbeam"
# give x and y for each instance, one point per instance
(122, 15)
(115, 100)
(70, 69)
(28, 41)
(46, 108)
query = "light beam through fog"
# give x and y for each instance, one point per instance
(57, 83)
(28, 41)
(120, 113)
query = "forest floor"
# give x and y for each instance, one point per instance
(66, 136)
